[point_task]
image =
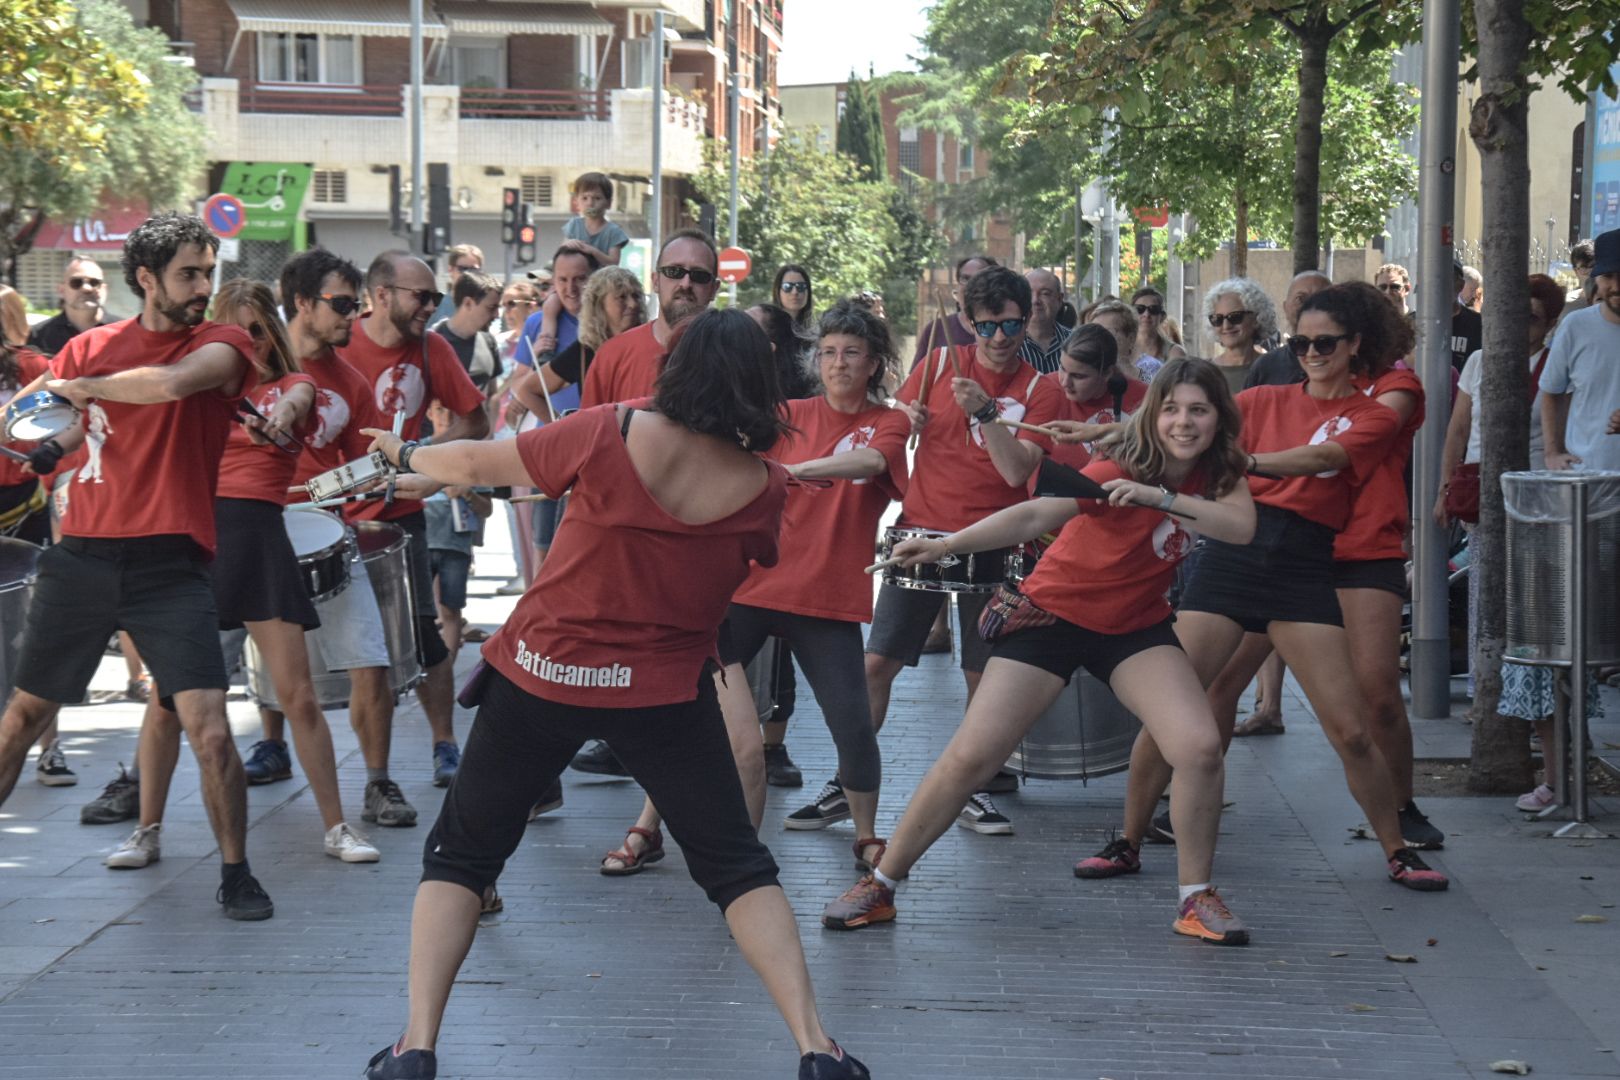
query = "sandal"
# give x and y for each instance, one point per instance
(634, 863)
(492, 902)
(1259, 725)
(868, 865)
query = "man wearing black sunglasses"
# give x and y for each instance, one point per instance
(84, 297)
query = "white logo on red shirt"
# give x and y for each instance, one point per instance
(857, 439)
(1171, 542)
(1333, 425)
(332, 416)
(543, 667)
(96, 430)
(1010, 408)
(400, 387)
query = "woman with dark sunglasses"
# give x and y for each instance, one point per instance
(792, 293)
(1311, 447)
(1154, 347)
(1242, 319)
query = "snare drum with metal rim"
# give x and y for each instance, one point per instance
(321, 542)
(978, 572)
(39, 416)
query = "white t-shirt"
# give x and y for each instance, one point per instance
(1469, 382)
(1585, 363)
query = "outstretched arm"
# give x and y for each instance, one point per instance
(215, 366)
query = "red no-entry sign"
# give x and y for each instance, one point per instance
(224, 215)
(735, 265)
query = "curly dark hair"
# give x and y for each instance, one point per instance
(1359, 308)
(856, 320)
(303, 274)
(720, 380)
(991, 288)
(155, 242)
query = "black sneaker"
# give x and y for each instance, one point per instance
(385, 805)
(1160, 831)
(267, 762)
(837, 1065)
(244, 900)
(779, 768)
(981, 815)
(551, 800)
(1005, 782)
(411, 1065)
(1416, 830)
(601, 760)
(118, 801)
(52, 769)
(1119, 857)
(829, 806)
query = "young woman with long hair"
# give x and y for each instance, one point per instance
(793, 293)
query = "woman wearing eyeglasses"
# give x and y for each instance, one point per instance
(1322, 441)
(1242, 318)
(791, 292)
(1154, 347)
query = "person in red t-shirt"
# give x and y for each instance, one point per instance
(1097, 599)
(408, 370)
(967, 467)
(1095, 391)
(1320, 442)
(139, 530)
(673, 495)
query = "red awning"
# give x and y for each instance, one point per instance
(103, 230)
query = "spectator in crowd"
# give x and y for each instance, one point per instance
(1393, 280)
(1467, 332)
(1581, 383)
(1472, 294)
(1242, 316)
(792, 293)
(13, 317)
(591, 230)
(477, 297)
(1580, 259)
(1116, 316)
(1043, 336)
(460, 259)
(1153, 345)
(542, 281)
(83, 291)
(790, 349)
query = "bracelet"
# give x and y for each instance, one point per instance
(987, 414)
(1169, 498)
(404, 455)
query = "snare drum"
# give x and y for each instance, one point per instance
(39, 416)
(1084, 734)
(347, 477)
(979, 572)
(321, 543)
(18, 563)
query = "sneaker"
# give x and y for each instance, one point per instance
(52, 770)
(1538, 800)
(386, 806)
(599, 759)
(244, 899)
(141, 849)
(1407, 868)
(1416, 830)
(267, 762)
(551, 800)
(829, 806)
(1005, 782)
(118, 801)
(779, 768)
(446, 760)
(516, 587)
(1160, 831)
(1204, 915)
(386, 1064)
(866, 902)
(1119, 857)
(343, 842)
(834, 1066)
(981, 815)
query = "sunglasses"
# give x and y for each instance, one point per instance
(508, 305)
(462, 268)
(1394, 288)
(424, 297)
(675, 273)
(796, 286)
(1009, 327)
(343, 305)
(1156, 310)
(85, 283)
(1321, 345)
(1231, 318)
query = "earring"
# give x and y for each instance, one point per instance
(743, 439)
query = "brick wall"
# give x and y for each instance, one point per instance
(211, 27)
(386, 61)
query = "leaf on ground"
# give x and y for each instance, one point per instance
(1591, 918)
(1401, 958)
(1356, 1006)
(1362, 832)
(1517, 1068)
(1338, 954)
(1432, 942)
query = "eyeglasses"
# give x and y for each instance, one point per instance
(1156, 310)
(1231, 318)
(1394, 288)
(1321, 345)
(675, 273)
(424, 297)
(1009, 327)
(85, 283)
(796, 286)
(508, 305)
(343, 305)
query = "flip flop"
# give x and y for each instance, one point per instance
(1256, 725)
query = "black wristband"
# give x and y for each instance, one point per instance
(988, 414)
(405, 451)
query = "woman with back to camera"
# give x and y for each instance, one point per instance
(671, 493)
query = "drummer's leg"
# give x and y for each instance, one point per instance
(371, 715)
(25, 717)
(901, 619)
(830, 653)
(281, 643)
(156, 755)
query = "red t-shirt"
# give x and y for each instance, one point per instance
(30, 366)
(828, 534)
(953, 481)
(343, 406)
(150, 470)
(1382, 510)
(625, 610)
(396, 382)
(262, 471)
(1097, 410)
(1110, 567)
(625, 368)
(1277, 418)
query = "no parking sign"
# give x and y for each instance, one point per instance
(224, 215)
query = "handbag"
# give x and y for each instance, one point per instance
(1009, 611)
(1462, 493)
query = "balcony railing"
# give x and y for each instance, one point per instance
(489, 103)
(321, 100)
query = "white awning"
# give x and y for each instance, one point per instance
(363, 18)
(504, 17)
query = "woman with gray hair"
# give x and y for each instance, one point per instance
(1243, 318)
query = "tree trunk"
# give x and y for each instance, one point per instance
(1501, 754)
(1314, 40)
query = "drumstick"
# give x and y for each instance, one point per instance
(1037, 429)
(280, 438)
(884, 565)
(950, 346)
(928, 355)
(6, 451)
(530, 498)
(340, 500)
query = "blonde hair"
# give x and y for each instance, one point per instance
(608, 281)
(255, 297)
(13, 316)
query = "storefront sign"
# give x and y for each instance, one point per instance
(272, 193)
(104, 230)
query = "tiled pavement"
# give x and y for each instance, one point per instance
(1002, 966)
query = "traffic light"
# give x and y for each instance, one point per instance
(436, 238)
(509, 214)
(525, 245)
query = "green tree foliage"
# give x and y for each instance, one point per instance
(860, 129)
(89, 104)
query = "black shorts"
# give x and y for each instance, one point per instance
(902, 618)
(1063, 647)
(430, 647)
(1386, 574)
(1285, 574)
(255, 572)
(155, 587)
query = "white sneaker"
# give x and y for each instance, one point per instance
(1534, 802)
(141, 849)
(343, 842)
(516, 587)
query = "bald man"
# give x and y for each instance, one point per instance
(1043, 336)
(1279, 367)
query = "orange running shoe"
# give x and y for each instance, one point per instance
(866, 902)
(1204, 915)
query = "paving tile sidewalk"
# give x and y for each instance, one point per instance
(1002, 965)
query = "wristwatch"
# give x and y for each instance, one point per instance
(405, 452)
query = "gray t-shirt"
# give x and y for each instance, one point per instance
(605, 241)
(1585, 363)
